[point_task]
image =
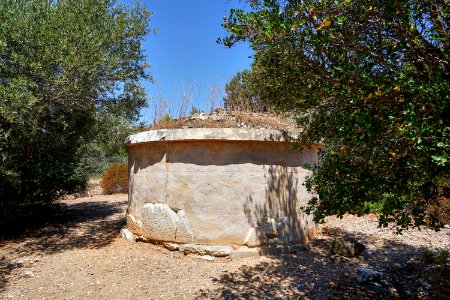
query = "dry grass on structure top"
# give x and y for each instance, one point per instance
(230, 119)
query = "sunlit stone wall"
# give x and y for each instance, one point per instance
(227, 186)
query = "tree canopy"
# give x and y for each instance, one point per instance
(242, 93)
(67, 69)
(371, 81)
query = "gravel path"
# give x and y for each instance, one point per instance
(82, 257)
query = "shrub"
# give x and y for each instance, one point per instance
(440, 256)
(166, 118)
(61, 89)
(115, 179)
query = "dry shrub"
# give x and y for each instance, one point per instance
(440, 208)
(115, 179)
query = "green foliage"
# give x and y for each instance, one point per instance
(115, 179)
(94, 160)
(369, 79)
(242, 93)
(374, 207)
(70, 75)
(440, 256)
(195, 110)
(166, 118)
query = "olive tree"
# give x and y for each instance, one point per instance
(66, 66)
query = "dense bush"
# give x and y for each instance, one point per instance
(70, 75)
(370, 80)
(115, 179)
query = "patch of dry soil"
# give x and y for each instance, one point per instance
(83, 257)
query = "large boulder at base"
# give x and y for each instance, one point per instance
(161, 223)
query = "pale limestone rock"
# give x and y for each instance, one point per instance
(205, 257)
(134, 225)
(252, 240)
(232, 134)
(200, 116)
(265, 234)
(189, 170)
(184, 232)
(159, 222)
(28, 274)
(245, 252)
(172, 246)
(218, 251)
(127, 235)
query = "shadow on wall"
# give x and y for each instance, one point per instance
(215, 153)
(315, 274)
(279, 219)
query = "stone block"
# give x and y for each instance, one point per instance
(347, 246)
(127, 235)
(184, 232)
(223, 186)
(161, 223)
(171, 246)
(218, 251)
(245, 252)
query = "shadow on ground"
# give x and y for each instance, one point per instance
(316, 274)
(71, 226)
(65, 226)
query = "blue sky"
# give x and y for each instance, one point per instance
(184, 54)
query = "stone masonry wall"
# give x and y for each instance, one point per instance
(216, 192)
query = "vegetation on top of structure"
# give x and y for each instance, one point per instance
(229, 119)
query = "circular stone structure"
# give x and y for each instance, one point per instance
(219, 186)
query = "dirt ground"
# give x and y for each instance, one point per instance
(83, 257)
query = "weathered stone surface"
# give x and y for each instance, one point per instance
(184, 232)
(134, 225)
(205, 257)
(245, 252)
(127, 235)
(218, 251)
(272, 232)
(230, 134)
(252, 239)
(228, 183)
(366, 275)
(269, 229)
(161, 223)
(347, 246)
(171, 246)
(273, 250)
(28, 274)
(200, 116)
